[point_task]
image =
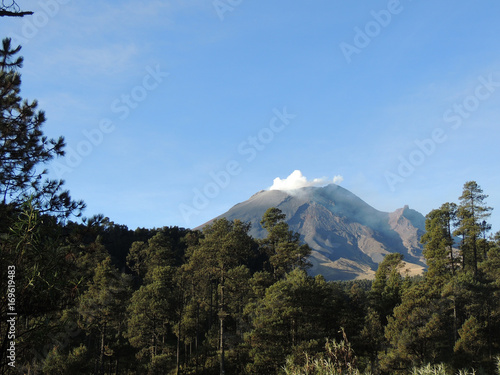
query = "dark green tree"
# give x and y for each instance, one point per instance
(471, 214)
(224, 247)
(294, 311)
(282, 246)
(387, 287)
(76, 361)
(151, 316)
(45, 278)
(372, 337)
(490, 269)
(472, 344)
(417, 330)
(439, 243)
(24, 149)
(101, 311)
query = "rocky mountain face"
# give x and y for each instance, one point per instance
(347, 236)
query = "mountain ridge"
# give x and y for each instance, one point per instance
(347, 236)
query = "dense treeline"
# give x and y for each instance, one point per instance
(219, 301)
(94, 297)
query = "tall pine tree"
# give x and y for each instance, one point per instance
(24, 149)
(471, 213)
(438, 243)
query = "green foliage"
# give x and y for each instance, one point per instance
(294, 310)
(217, 266)
(24, 148)
(438, 243)
(472, 341)
(101, 309)
(76, 361)
(471, 215)
(281, 245)
(43, 280)
(372, 336)
(150, 310)
(387, 287)
(417, 330)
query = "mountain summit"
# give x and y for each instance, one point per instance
(347, 236)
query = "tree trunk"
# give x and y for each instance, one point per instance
(450, 239)
(197, 334)
(221, 317)
(463, 251)
(474, 244)
(178, 356)
(101, 355)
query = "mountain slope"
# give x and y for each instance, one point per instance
(347, 236)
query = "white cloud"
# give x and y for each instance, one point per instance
(297, 180)
(338, 179)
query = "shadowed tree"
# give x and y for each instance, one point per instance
(24, 149)
(416, 331)
(294, 311)
(282, 245)
(45, 274)
(438, 243)
(215, 260)
(471, 215)
(101, 308)
(387, 287)
(151, 314)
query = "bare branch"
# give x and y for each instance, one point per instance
(9, 8)
(7, 13)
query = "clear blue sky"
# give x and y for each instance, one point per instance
(174, 111)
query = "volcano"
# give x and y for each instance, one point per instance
(348, 237)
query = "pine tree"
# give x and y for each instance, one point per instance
(225, 246)
(471, 213)
(23, 147)
(282, 245)
(151, 315)
(490, 269)
(417, 330)
(372, 336)
(294, 311)
(43, 271)
(387, 287)
(438, 243)
(101, 311)
(471, 347)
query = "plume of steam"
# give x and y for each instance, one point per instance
(297, 180)
(338, 179)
